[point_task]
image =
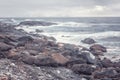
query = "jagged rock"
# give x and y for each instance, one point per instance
(88, 41)
(35, 23)
(83, 69)
(97, 49)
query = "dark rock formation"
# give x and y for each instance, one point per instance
(36, 23)
(88, 41)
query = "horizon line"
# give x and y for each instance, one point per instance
(68, 17)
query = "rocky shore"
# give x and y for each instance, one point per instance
(26, 56)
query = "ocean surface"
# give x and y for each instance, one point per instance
(105, 30)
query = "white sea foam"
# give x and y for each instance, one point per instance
(71, 37)
(73, 24)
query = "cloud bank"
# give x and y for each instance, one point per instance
(59, 8)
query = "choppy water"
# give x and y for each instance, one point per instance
(105, 31)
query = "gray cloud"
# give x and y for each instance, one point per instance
(61, 8)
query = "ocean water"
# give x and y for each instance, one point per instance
(105, 30)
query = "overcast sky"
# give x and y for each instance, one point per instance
(59, 8)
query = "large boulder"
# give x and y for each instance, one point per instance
(88, 41)
(35, 23)
(97, 49)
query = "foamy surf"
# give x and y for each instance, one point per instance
(73, 32)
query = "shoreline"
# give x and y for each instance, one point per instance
(31, 51)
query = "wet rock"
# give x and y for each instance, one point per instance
(4, 47)
(83, 69)
(105, 73)
(97, 49)
(39, 31)
(88, 41)
(25, 38)
(36, 23)
(89, 57)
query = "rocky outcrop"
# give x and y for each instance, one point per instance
(28, 57)
(36, 23)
